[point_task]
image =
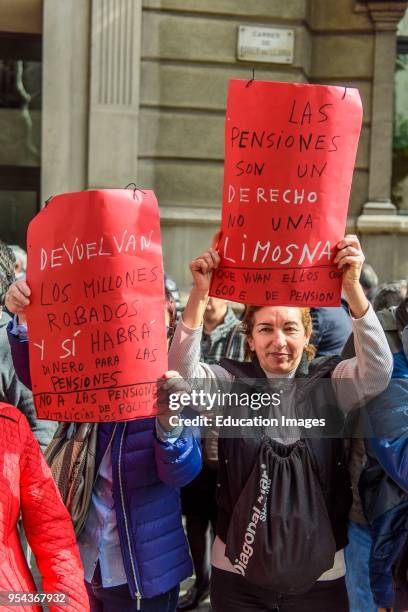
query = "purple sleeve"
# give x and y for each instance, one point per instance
(179, 463)
(19, 353)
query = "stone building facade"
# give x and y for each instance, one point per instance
(135, 91)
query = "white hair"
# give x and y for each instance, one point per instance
(20, 255)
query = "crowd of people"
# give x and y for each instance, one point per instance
(332, 530)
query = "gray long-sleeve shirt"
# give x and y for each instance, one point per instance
(367, 374)
(14, 392)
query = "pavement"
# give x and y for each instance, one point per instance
(205, 606)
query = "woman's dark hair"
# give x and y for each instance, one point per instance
(368, 280)
(248, 326)
(401, 314)
(390, 294)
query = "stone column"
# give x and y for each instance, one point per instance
(65, 96)
(114, 92)
(383, 232)
(386, 16)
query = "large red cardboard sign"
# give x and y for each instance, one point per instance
(96, 323)
(290, 151)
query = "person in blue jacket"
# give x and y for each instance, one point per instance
(384, 487)
(133, 546)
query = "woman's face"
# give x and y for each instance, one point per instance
(278, 338)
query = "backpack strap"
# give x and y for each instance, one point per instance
(239, 369)
(322, 367)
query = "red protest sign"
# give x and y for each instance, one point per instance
(289, 156)
(96, 322)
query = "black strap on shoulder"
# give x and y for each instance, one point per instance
(321, 367)
(324, 366)
(239, 369)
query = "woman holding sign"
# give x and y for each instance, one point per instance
(283, 498)
(132, 545)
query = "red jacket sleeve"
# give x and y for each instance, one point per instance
(48, 528)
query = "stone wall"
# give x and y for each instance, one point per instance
(177, 56)
(342, 54)
(188, 56)
(22, 16)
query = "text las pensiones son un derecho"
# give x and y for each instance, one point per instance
(202, 401)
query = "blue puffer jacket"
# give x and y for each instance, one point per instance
(384, 482)
(147, 474)
(388, 417)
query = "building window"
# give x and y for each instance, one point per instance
(20, 133)
(400, 145)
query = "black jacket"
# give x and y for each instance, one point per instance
(237, 455)
(384, 490)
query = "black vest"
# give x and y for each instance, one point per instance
(238, 455)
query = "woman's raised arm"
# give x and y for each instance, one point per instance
(201, 269)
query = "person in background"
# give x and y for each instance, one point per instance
(369, 281)
(357, 554)
(222, 333)
(27, 487)
(332, 326)
(389, 307)
(133, 546)
(21, 261)
(12, 390)
(222, 337)
(389, 295)
(383, 487)
(170, 285)
(331, 329)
